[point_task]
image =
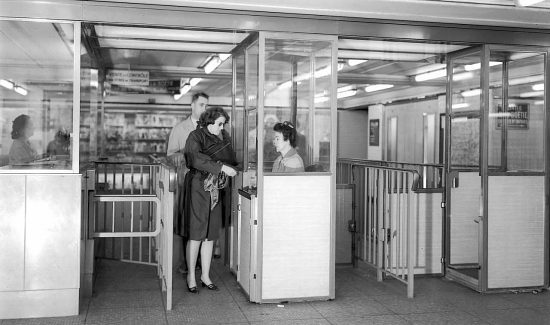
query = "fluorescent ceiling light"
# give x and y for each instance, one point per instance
(347, 93)
(286, 84)
(539, 102)
(224, 56)
(320, 99)
(471, 93)
(194, 81)
(20, 90)
(532, 94)
(377, 87)
(6, 84)
(212, 64)
(477, 66)
(460, 105)
(431, 75)
(354, 62)
(525, 3)
(164, 45)
(183, 90)
(346, 88)
(538, 87)
(169, 34)
(463, 76)
(383, 56)
(412, 47)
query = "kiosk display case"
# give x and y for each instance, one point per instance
(283, 223)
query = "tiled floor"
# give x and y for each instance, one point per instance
(130, 294)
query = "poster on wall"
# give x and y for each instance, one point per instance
(517, 116)
(374, 132)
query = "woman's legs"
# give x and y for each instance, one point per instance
(192, 254)
(206, 259)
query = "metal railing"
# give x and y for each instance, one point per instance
(131, 213)
(387, 201)
(431, 175)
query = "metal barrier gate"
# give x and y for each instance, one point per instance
(388, 198)
(131, 215)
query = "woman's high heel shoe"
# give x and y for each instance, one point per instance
(192, 289)
(210, 286)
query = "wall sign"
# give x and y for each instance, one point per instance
(517, 116)
(374, 132)
(128, 77)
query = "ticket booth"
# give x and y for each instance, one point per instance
(40, 184)
(282, 232)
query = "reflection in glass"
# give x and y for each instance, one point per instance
(36, 78)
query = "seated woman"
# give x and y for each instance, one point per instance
(21, 150)
(284, 141)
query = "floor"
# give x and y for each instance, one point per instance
(130, 294)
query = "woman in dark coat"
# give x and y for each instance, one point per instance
(211, 159)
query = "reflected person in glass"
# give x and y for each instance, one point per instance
(21, 150)
(284, 140)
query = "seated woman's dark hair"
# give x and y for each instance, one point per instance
(211, 115)
(288, 131)
(19, 125)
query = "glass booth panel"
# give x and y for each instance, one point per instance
(298, 81)
(252, 63)
(516, 133)
(36, 111)
(238, 119)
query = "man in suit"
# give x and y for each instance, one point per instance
(176, 144)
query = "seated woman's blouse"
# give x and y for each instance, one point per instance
(21, 152)
(290, 163)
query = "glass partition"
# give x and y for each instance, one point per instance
(36, 111)
(298, 81)
(516, 111)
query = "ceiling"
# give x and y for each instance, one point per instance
(40, 55)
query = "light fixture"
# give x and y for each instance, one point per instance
(224, 56)
(538, 87)
(532, 94)
(539, 102)
(462, 76)
(347, 93)
(194, 81)
(477, 66)
(346, 88)
(183, 90)
(471, 93)
(377, 87)
(460, 105)
(6, 84)
(20, 90)
(320, 99)
(525, 3)
(431, 75)
(354, 62)
(212, 64)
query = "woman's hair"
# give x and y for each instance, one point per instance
(288, 131)
(211, 115)
(19, 125)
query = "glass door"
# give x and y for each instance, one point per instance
(464, 211)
